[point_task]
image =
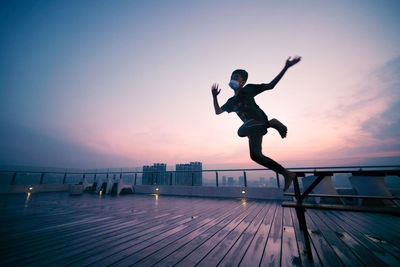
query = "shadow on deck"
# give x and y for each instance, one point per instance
(144, 230)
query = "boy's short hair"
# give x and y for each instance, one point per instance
(242, 74)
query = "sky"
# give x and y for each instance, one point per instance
(95, 84)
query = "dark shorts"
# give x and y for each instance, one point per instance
(253, 127)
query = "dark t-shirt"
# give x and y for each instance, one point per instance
(244, 105)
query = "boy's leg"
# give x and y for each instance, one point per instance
(279, 126)
(253, 127)
(255, 145)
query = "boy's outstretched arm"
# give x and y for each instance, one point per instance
(289, 62)
(215, 92)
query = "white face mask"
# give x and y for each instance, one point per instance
(234, 84)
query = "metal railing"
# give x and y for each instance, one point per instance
(154, 178)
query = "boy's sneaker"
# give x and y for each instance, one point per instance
(289, 176)
(279, 126)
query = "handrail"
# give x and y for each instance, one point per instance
(312, 169)
(300, 170)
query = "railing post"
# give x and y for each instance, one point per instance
(13, 178)
(65, 177)
(152, 178)
(245, 179)
(216, 179)
(192, 178)
(277, 180)
(41, 178)
(170, 178)
(135, 177)
(120, 175)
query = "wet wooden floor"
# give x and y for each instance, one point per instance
(55, 229)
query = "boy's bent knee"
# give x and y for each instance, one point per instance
(255, 156)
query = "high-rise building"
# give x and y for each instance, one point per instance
(185, 173)
(223, 180)
(241, 180)
(155, 175)
(231, 181)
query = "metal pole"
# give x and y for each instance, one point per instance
(135, 177)
(13, 178)
(245, 179)
(216, 179)
(192, 178)
(65, 177)
(170, 178)
(277, 180)
(41, 178)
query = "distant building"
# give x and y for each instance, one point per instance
(241, 180)
(155, 175)
(272, 181)
(262, 181)
(186, 172)
(231, 181)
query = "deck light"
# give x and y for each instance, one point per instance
(30, 188)
(157, 189)
(243, 192)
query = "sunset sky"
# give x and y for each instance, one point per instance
(94, 84)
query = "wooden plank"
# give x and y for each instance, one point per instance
(126, 239)
(196, 245)
(326, 253)
(135, 253)
(87, 238)
(305, 261)
(90, 244)
(339, 247)
(272, 252)
(255, 251)
(389, 223)
(382, 246)
(55, 229)
(217, 246)
(290, 251)
(378, 226)
(237, 249)
(353, 244)
(191, 232)
(320, 206)
(175, 250)
(375, 255)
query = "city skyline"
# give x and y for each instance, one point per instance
(99, 84)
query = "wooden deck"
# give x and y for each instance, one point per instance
(56, 229)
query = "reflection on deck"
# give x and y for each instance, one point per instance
(58, 229)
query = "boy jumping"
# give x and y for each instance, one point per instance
(255, 121)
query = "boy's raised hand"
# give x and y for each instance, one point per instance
(292, 61)
(214, 89)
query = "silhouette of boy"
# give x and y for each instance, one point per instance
(255, 121)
